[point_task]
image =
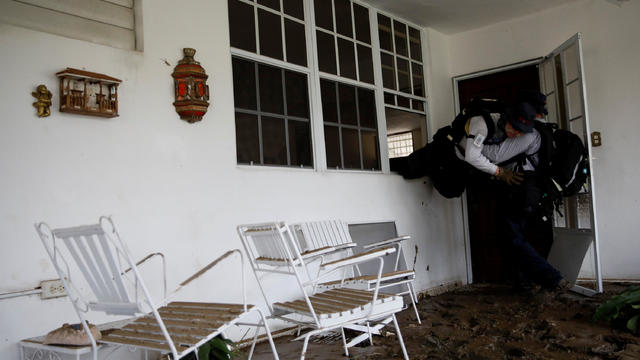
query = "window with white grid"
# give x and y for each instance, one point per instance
(400, 145)
(289, 56)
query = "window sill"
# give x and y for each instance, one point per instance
(356, 171)
(272, 168)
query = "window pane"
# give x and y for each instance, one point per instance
(296, 43)
(300, 143)
(365, 64)
(351, 149)
(348, 113)
(384, 32)
(347, 59)
(414, 44)
(416, 71)
(270, 34)
(404, 83)
(400, 35)
(361, 20)
(271, 99)
(324, 14)
(293, 8)
(404, 102)
(326, 52)
(370, 150)
(297, 98)
(242, 27)
(329, 102)
(343, 17)
(273, 140)
(274, 4)
(389, 99)
(417, 105)
(367, 108)
(388, 71)
(247, 143)
(332, 145)
(244, 84)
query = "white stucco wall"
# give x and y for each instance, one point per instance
(611, 58)
(171, 186)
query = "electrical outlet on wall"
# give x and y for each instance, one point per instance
(52, 289)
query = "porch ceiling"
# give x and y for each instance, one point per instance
(453, 16)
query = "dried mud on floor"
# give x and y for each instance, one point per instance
(488, 322)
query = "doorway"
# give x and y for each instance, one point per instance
(487, 261)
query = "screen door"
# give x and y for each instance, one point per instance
(575, 231)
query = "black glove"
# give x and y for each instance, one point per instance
(510, 177)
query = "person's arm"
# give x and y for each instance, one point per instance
(474, 145)
(527, 143)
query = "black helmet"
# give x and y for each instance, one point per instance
(521, 117)
(537, 99)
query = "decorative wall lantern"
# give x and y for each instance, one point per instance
(88, 93)
(192, 91)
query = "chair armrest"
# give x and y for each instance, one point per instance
(211, 265)
(164, 269)
(387, 242)
(357, 259)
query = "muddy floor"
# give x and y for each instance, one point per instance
(488, 322)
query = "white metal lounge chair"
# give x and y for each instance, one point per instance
(271, 248)
(335, 234)
(95, 255)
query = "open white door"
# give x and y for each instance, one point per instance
(576, 232)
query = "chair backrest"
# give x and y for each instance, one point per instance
(101, 258)
(269, 247)
(315, 235)
(267, 242)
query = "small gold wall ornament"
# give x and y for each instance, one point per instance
(44, 100)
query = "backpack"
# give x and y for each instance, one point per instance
(477, 107)
(561, 169)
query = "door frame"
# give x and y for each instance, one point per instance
(465, 214)
(463, 198)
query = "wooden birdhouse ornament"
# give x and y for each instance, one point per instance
(88, 93)
(192, 91)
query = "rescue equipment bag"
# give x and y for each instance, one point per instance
(477, 107)
(561, 169)
(438, 159)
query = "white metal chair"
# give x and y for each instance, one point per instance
(94, 255)
(271, 248)
(335, 234)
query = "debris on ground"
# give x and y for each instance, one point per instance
(483, 321)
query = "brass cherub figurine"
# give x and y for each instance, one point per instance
(44, 100)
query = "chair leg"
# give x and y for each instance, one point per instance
(369, 332)
(404, 350)
(413, 301)
(415, 296)
(304, 345)
(255, 339)
(266, 328)
(344, 342)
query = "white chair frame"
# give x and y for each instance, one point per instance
(271, 247)
(106, 263)
(335, 233)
